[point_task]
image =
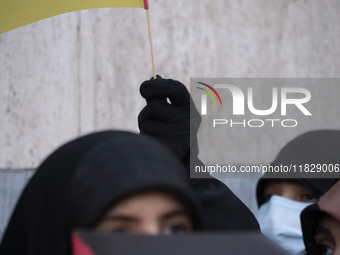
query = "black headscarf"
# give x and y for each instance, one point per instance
(311, 215)
(319, 147)
(77, 183)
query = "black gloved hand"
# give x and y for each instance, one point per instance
(170, 122)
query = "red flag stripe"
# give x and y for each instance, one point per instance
(146, 4)
(79, 247)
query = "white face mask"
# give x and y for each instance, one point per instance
(279, 220)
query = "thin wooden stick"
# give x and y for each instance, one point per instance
(151, 45)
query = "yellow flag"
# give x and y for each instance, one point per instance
(17, 13)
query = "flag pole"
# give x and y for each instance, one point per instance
(151, 45)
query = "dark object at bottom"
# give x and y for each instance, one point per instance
(91, 243)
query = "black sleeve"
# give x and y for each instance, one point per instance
(222, 209)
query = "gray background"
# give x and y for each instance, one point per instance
(80, 72)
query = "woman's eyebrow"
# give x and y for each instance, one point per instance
(121, 217)
(321, 230)
(174, 213)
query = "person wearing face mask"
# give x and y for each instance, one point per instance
(281, 201)
(321, 224)
(110, 181)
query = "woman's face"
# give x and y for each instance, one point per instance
(150, 213)
(327, 236)
(288, 190)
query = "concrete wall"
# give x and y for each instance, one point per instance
(79, 72)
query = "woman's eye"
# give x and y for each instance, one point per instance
(309, 197)
(325, 250)
(175, 229)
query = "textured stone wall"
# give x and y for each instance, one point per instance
(79, 72)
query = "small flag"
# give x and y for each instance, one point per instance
(17, 13)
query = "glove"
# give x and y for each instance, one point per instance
(169, 122)
(167, 117)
